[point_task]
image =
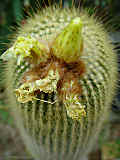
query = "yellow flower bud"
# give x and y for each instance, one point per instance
(68, 45)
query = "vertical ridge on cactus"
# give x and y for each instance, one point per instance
(60, 96)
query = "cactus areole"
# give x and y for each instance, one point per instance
(62, 73)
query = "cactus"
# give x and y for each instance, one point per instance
(61, 79)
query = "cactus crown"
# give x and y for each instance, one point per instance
(59, 56)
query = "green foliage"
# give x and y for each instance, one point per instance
(5, 115)
(17, 10)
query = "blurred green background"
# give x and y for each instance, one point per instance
(13, 13)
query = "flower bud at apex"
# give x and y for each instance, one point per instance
(68, 45)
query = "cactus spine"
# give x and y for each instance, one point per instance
(62, 73)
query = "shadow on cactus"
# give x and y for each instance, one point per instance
(61, 77)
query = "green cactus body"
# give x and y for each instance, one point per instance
(60, 119)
